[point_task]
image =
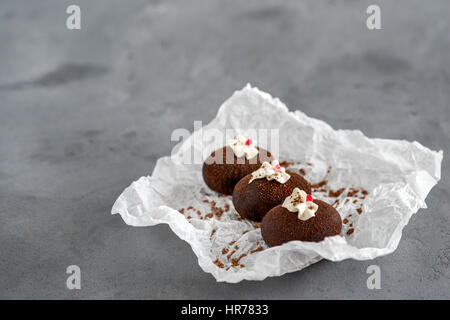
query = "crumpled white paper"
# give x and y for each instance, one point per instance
(397, 174)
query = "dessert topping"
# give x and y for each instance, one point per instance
(271, 171)
(302, 203)
(244, 147)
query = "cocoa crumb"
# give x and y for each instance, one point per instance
(199, 212)
(236, 247)
(219, 212)
(189, 217)
(231, 243)
(336, 193)
(225, 250)
(257, 249)
(319, 184)
(216, 210)
(241, 265)
(359, 210)
(190, 207)
(212, 233)
(209, 216)
(345, 221)
(235, 261)
(309, 163)
(352, 192)
(346, 200)
(181, 211)
(206, 201)
(285, 163)
(227, 207)
(256, 225)
(302, 171)
(229, 256)
(329, 169)
(218, 263)
(355, 201)
(350, 231)
(245, 232)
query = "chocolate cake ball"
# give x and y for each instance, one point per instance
(221, 175)
(280, 225)
(253, 200)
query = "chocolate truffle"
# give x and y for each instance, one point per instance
(221, 172)
(280, 225)
(253, 200)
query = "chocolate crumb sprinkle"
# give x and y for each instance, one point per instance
(218, 263)
(336, 193)
(235, 261)
(229, 256)
(257, 249)
(352, 192)
(319, 184)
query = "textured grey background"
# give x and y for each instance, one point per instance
(84, 113)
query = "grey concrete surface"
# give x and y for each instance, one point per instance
(84, 113)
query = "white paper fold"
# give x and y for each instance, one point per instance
(397, 174)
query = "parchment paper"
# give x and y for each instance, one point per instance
(397, 174)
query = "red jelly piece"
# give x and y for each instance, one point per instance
(248, 142)
(277, 166)
(309, 197)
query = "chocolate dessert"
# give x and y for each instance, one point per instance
(257, 193)
(300, 218)
(226, 166)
